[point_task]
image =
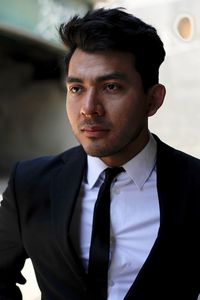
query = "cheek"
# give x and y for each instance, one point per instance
(72, 111)
(68, 110)
(131, 116)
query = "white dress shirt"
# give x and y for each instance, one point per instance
(135, 217)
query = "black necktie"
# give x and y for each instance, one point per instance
(100, 241)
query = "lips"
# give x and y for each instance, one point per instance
(94, 131)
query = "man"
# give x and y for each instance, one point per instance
(112, 69)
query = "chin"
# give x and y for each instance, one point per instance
(94, 151)
(98, 151)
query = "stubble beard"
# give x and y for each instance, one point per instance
(96, 148)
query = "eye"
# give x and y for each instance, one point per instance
(75, 89)
(112, 87)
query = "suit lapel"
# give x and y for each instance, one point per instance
(172, 186)
(172, 183)
(64, 191)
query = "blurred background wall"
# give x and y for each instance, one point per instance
(32, 93)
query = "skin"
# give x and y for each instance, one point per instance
(107, 107)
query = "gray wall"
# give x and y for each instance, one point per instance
(33, 120)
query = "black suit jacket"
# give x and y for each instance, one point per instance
(35, 221)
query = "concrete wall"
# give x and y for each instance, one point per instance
(33, 120)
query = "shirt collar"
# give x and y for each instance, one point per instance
(95, 167)
(139, 168)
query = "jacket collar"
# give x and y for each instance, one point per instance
(173, 183)
(65, 187)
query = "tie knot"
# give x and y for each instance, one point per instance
(111, 173)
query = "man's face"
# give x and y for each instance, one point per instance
(106, 105)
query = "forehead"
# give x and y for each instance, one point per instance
(86, 64)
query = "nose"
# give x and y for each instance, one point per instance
(91, 104)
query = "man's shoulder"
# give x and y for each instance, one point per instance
(45, 165)
(170, 154)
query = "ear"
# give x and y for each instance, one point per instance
(156, 95)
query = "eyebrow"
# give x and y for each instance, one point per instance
(111, 76)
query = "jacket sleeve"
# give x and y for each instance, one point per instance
(12, 253)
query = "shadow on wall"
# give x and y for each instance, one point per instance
(32, 101)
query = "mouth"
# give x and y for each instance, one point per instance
(94, 131)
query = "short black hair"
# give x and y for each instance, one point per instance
(114, 29)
